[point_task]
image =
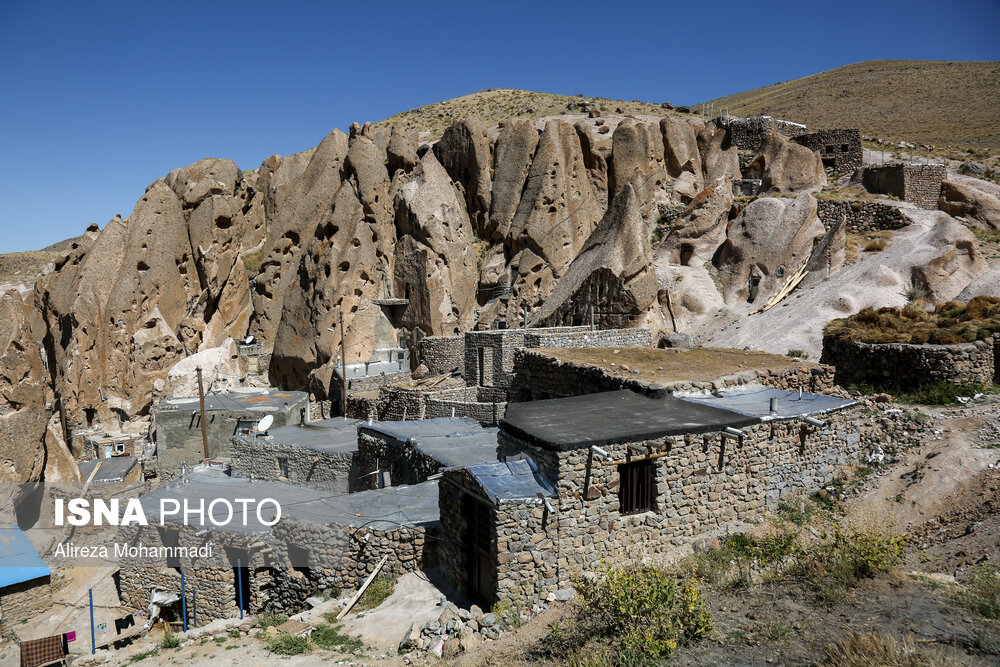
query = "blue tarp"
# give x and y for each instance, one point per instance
(19, 562)
(756, 402)
(516, 479)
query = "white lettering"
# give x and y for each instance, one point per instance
(277, 511)
(229, 507)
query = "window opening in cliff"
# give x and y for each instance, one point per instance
(687, 251)
(754, 286)
(479, 555)
(635, 491)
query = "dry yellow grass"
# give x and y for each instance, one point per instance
(699, 364)
(931, 102)
(25, 266)
(496, 104)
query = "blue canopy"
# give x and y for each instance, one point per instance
(19, 562)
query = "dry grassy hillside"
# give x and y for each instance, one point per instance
(931, 102)
(497, 104)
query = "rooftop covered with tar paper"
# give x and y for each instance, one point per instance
(451, 441)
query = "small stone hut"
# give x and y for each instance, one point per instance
(597, 479)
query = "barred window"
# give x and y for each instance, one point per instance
(635, 490)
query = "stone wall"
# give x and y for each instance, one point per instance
(839, 149)
(541, 376)
(378, 452)
(489, 356)
(704, 485)
(440, 354)
(919, 184)
(901, 365)
(862, 216)
(484, 404)
(258, 458)
(587, 338)
(24, 601)
(374, 382)
(747, 134)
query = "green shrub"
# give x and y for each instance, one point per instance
(265, 621)
(982, 592)
(798, 354)
(330, 638)
(376, 593)
(170, 640)
(508, 613)
(139, 657)
(286, 644)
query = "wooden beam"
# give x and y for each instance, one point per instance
(364, 587)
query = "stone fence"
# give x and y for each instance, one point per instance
(484, 404)
(862, 216)
(442, 354)
(541, 376)
(597, 338)
(903, 365)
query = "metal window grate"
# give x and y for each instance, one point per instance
(635, 492)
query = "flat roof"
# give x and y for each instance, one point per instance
(258, 400)
(613, 417)
(694, 364)
(378, 508)
(19, 561)
(451, 441)
(756, 402)
(112, 469)
(515, 479)
(337, 435)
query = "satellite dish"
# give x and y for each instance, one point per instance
(249, 340)
(265, 423)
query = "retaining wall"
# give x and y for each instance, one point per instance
(862, 216)
(905, 366)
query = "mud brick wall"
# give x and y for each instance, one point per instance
(839, 149)
(862, 216)
(541, 376)
(704, 485)
(24, 601)
(378, 452)
(919, 184)
(442, 353)
(902, 365)
(257, 458)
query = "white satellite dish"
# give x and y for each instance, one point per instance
(265, 423)
(249, 340)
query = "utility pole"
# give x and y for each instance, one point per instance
(201, 402)
(343, 365)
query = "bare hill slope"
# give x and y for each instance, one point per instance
(935, 102)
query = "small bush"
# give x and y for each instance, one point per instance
(139, 657)
(509, 614)
(798, 354)
(982, 592)
(170, 640)
(876, 245)
(330, 638)
(286, 644)
(265, 621)
(376, 593)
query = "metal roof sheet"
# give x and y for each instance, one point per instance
(755, 401)
(112, 469)
(19, 561)
(515, 479)
(451, 441)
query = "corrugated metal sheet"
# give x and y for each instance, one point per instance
(19, 562)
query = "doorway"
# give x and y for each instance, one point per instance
(479, 538)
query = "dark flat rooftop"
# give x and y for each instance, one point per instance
(516, 479)
(113, 469)
(613, 417)
(451, 441)
(331, 436)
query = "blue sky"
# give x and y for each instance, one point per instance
(100, 99)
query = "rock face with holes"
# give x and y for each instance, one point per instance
(23, 395)
(613, 273)
(638, 159)
(770, 239)
(785, 167)
(699, 231)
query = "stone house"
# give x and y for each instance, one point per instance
(178, 423)
(589, 481)
(839, 149)
(320, 454)
(409, 452)
(918, 184)
(25, 581)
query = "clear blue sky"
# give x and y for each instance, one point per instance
(101, 98)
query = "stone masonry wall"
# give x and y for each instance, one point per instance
(257, 458)
(377, 452)
(747, 134)
(862, 216)
(839, 149)
(442, 353)
(704, 485)
(24, 601)
(919, 184)
(484, 404)
(596, 338)
(901, 365)
(540, 376)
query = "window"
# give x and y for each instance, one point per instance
(635, 490)
(844, 148)
(829, 149)
(283, 467)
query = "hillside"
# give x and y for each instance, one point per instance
(496, 104)
(931, 102)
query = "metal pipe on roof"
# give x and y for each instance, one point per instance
(812, 421)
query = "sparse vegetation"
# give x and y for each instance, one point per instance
(265, 621)
(139, 657)
(331, 638)
(936, 393)
(797, 354)
(877, 650)
(284, 643)
(952, 322)
(376, 593)
(169, 640)
(982, 592)
(987, 235)
(869, 242)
